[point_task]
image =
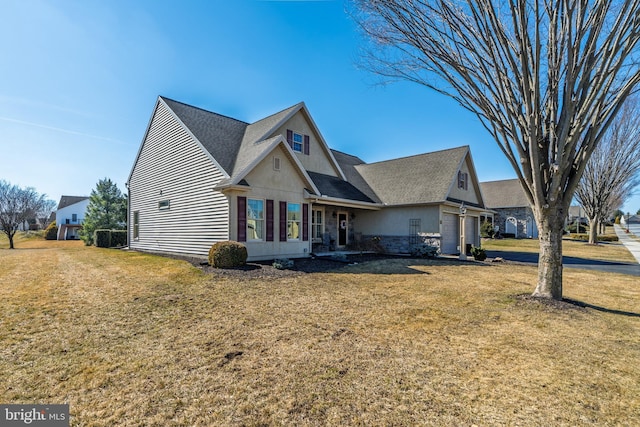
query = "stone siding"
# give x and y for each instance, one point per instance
(520, 214)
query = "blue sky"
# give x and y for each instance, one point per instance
(79, 80)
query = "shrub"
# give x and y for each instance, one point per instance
(227, 254)
(423, 250)
(479, 254)
(102, 238)
(486, 230)
(283, 264)
(617, 220)
(51, 232)
(573, 227)
(118, 238)
(600, 238)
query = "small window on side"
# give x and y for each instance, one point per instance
(164, 204)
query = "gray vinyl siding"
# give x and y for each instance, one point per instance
(173, 166)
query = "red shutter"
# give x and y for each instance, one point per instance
(283, 221)
(269, 220)
(305, 222)
(242, 219)
(306, 145)
(290, 137)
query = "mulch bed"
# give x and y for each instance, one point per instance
(265, 269)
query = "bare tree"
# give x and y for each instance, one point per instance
(544, 77)
(43, 215)
(17, 205)
(612, 172)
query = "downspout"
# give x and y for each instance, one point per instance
(126, 184)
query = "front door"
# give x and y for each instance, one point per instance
(342, 229)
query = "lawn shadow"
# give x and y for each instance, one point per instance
(582, 304)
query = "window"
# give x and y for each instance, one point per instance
(317, 226)
(298, 140)
(463, 179)
(163, 204)
(293, 221)
(74, 217)
(136, 224)
(255, 219)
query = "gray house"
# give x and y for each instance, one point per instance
(275, 185)
(512, 212)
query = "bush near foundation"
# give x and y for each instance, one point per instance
(51, 232)
(227, 254)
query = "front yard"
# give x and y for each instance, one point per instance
(134, 339)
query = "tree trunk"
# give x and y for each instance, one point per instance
(550, 259)
(10, 235)
(593, 230)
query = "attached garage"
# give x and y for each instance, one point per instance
(450, 234)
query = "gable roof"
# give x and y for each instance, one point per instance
(506, 193)
(70, 200)
(220, 135)
(348, 165)
(424, 178)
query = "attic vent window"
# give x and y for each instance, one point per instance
(163, 204)
(463, 180)
(276, 163)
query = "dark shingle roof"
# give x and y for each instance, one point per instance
(506, 193)
(220, 135)
(335, 187)
(70, 200)
(347, 163)
(425, 178)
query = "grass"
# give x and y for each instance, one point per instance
(610, 251)
(133, 339)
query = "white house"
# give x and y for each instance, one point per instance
(70, 216)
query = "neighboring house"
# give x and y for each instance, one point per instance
(70, 215)
(275, 185)
(631, 220)
(512, 213)
(577, 214)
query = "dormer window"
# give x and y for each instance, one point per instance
(298, 140)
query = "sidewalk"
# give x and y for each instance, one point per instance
(631, 244)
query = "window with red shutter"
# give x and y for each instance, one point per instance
(306, 145)
(269, 236)
(283, 221)
(305, 222)
(290, 137)
(242, 219)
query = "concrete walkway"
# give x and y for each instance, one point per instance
(629, 242)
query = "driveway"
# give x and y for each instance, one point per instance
(632, 269)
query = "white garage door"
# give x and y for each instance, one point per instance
(450, 234)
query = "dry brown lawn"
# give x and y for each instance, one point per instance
(140, 340)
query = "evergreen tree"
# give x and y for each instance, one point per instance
(107, 209)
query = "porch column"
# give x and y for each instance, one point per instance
(463, 246)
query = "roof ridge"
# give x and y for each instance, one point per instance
(205, 110)
(499, 180)
(417, 155)
(277, 112)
